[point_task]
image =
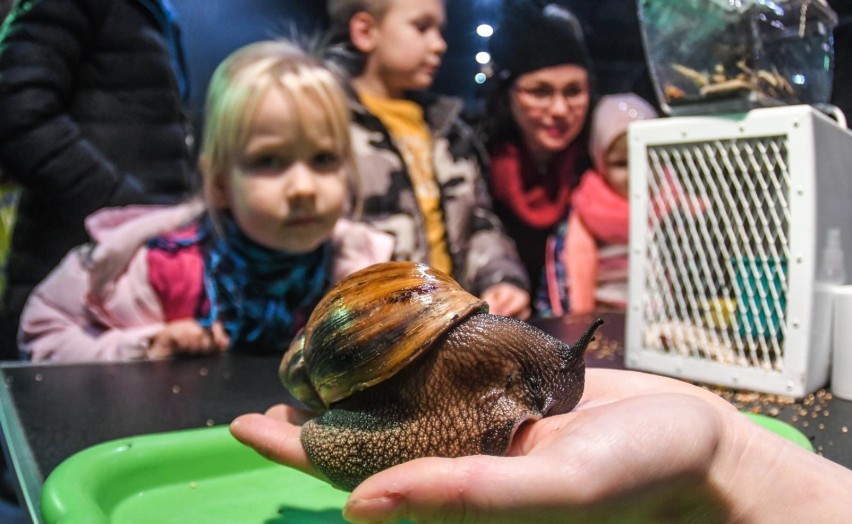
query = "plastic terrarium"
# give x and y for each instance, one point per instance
(723, 56)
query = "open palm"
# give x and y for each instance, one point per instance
(640, 446)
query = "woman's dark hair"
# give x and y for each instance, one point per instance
(531, 35)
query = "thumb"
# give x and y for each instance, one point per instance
(159, 349)
(465, 489)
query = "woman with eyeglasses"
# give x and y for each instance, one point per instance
(536, 120)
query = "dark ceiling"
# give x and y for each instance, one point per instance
(213, 29)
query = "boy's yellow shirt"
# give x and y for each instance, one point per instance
(404, 119)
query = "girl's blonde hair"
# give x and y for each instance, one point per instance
(240, 82)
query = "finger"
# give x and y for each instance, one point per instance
(189, 337)
(203, 341)
(516, 309)
(299, 416)
(290, 414)
(498, 310)
(275, 439)
(279, 412)
(466, 489)
(518, 305)
(159, 351)
(220, 338)
(193, 348)
(603, 386)
(497, 304)
(508, 300)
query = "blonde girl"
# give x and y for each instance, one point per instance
(241, 270)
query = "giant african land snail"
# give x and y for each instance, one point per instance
(402, 363)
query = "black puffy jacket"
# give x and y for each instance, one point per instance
(91, 116)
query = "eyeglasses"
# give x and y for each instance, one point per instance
(542, 96)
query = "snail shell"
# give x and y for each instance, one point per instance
(403, 363)
(369, 327)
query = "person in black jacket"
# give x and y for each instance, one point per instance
(92, 94)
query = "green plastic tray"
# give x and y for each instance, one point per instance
(200, 475)
(204, 475)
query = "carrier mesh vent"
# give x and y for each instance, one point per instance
(717, 252)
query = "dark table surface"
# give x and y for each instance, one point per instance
(51, 411)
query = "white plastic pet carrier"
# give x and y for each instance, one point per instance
(729, 219)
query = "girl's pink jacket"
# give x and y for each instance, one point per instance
(98, 304)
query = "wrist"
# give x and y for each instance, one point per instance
(766, 478)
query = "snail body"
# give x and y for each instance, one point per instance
(402, 363)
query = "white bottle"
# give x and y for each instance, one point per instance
(834, 303)
(832, 270)
(841, 358)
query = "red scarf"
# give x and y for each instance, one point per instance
(538, 201)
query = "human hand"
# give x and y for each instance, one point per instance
(508, 300)
(187, 337)
(637, 446)
(276, 435)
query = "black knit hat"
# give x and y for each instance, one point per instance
(531, 37)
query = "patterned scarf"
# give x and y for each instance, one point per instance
(261, 296)
(537, 200)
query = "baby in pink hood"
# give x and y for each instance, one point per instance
(586, 265)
